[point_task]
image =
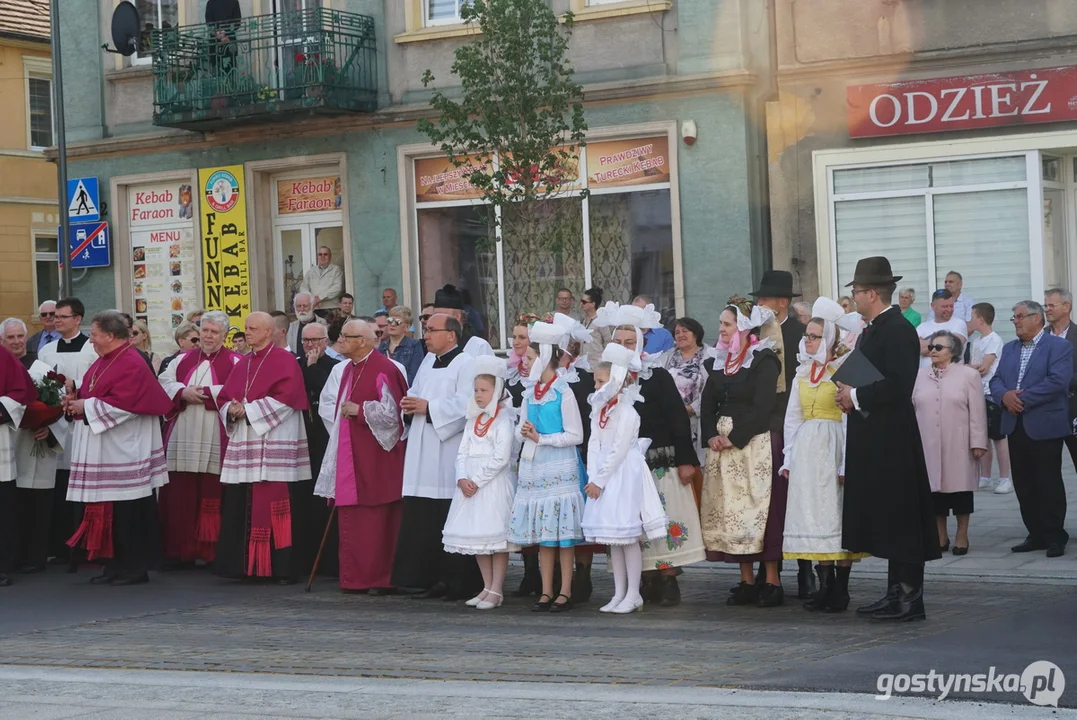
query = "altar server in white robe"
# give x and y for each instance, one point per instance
(16, 392)
(71, 356)
(194, 438)
(117, 457)
(266, 468)
(436, 410)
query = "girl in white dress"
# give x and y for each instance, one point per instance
(623, 506)
(478, 520)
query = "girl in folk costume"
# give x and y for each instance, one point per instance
(623, 506)
(743, 504)
(815, 456)
(671, 456)
(548, 506)
(478, 521)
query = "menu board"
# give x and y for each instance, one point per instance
(165, 282)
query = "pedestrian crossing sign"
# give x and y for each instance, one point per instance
(83, 200)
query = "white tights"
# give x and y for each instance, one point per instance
(627, 565)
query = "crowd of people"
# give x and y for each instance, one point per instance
(401, 455)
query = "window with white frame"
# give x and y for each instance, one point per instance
(930, 218)
(39, 109)
(619, 239)
(153, 15)
(443, 12)
(46, 268)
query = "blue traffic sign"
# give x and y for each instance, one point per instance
(90, 245)
(83, 200)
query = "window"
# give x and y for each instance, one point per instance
(154, 15)
(620, 239)
(442, 12)
(40, 109)
(971, 216)
(46, 268)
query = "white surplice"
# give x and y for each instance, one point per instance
(477, 347)
(269, 446)
(9, 431)
(72, 365)
(39, 472)
(195, 443)
(430, 459)
(115, 455)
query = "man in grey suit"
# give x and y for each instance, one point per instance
(1058, 306)
(49, 333)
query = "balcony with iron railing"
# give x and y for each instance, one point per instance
(261, 68)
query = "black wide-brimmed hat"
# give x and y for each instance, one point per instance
(776, 284)
(449, 297)
(873, 271)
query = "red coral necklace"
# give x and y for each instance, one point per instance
(481, 428)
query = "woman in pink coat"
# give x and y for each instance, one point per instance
(953, 428)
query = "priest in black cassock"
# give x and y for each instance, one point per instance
(317, 367)
(775, 292)
(887, 507)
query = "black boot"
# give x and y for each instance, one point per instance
(907, 606)
(671, 591)
(826, 585)
(651, 587)
(746, 594)
(532, 580)
(892, 587)
(581, 583)
(838, 600)
(805, 580)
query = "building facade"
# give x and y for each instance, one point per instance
(228, 155)
(940, 134)
(28, 208)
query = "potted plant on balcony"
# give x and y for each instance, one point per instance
(313, 75)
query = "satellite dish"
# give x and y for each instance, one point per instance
(125, 28)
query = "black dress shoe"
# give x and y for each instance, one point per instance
(557, 607)
(958, 550)
(882, 603)
(103, 579)
(1056, 550)
(542, 605)
(945, 546)
(771, 596)
(907, 606)
(1029, 545)
(671, 591)
(131, 579)
(5, 581)
(439, 590)
(746, 594)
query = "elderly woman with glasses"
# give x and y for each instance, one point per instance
(952, 417)
(398, 346)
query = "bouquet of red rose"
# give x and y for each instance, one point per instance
(46, 409)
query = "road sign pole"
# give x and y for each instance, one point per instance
(62, 246)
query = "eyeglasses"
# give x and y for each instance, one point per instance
(938, 348)
(813, 337)
(65, 317)
(861, 290)
(52, 314)
(424, 318)
(434, 330)
(194, 340)
(311, 341)
(349, 337)
(395, 322)
(1019, 318)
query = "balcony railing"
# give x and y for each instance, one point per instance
(258, 68)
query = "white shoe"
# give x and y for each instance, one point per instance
(487, 605)
(1004, 487)
(474, 602)
(985, 483)
(628, 605)
(608, 607)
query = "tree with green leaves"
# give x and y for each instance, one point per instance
(516, 127)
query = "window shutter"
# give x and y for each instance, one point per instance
(893, 227)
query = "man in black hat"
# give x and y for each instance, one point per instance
(449, 300)
(775, 292)
(887, 506)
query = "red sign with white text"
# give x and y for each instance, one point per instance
(967, 102)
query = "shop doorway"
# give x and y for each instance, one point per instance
(297, 251)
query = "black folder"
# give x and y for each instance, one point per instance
(857, 371)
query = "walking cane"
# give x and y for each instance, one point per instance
(321, 548)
